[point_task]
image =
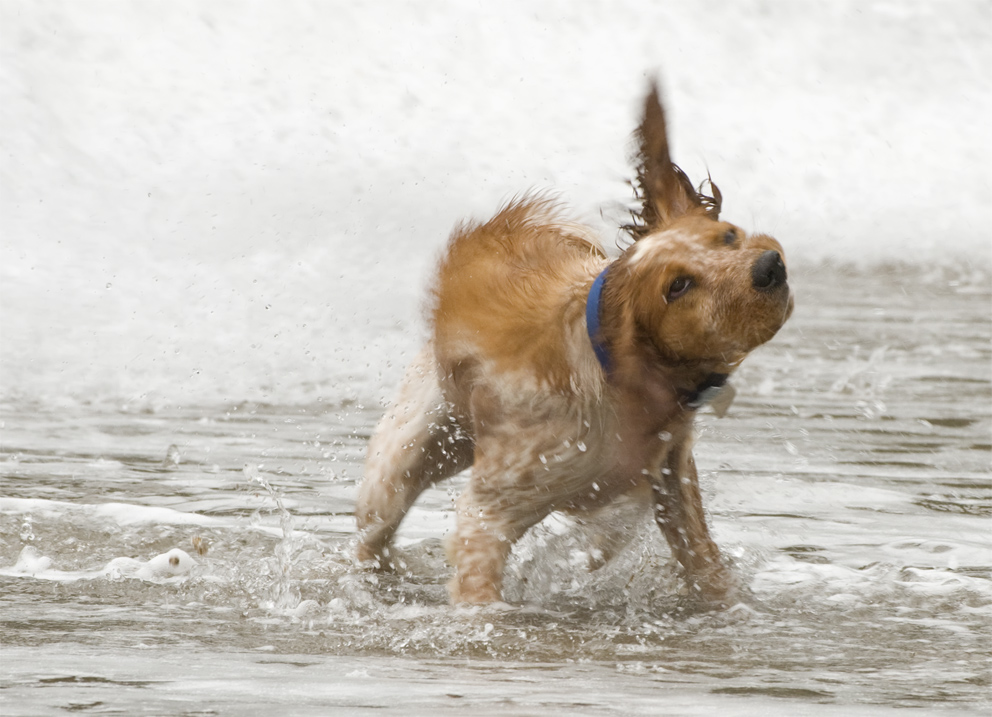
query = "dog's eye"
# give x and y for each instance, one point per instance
(678, 287)
(730, 237)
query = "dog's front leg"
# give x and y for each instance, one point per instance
(478, 550)
(501, 502)
(679, 513)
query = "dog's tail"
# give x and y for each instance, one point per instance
(662, 188)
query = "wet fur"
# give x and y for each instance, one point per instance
(509, 384)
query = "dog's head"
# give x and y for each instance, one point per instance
(704, 291)
(698, 291)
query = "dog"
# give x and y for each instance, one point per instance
(565, 380)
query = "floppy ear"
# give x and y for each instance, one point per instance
(664, 190)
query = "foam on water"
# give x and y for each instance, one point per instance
(550, 568)
(117, 513)
(167, 566)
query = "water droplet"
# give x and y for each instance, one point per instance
(27, 533)
(172, 457)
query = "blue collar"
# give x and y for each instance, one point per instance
(592, 321)
(695, 399)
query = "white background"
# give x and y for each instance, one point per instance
(231, 200)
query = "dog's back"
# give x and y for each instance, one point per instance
(509, 293)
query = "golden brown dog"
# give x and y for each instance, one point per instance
(564, 380)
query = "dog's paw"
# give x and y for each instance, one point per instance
(718, 591)
(373, 560)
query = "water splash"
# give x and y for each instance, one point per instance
(284, 595)
(867, 381)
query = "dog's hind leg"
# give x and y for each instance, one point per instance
(416, 444)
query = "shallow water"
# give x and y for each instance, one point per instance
(850, 485)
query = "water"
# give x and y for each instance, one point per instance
(850, 486)
(216, 226)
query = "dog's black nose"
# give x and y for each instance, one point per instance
(768, 272)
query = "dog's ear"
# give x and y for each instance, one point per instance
(663, 189)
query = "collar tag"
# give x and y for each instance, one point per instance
(715, 391)
(720, 399)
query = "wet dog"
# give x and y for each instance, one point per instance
(565, 380)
